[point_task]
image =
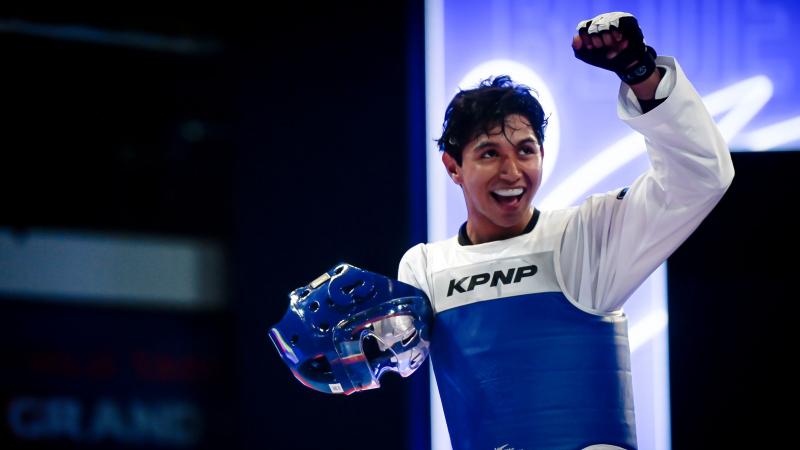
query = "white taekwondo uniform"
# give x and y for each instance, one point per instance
(530, 346)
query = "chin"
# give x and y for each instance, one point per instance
(513, 219)
(510, 221)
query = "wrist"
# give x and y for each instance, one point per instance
(646, 90)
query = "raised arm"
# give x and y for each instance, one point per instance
(614, 241)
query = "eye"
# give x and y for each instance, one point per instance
(528, 150)
(488, 154)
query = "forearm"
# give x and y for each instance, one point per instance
(687, 151)
(691, 169)
(646, 90)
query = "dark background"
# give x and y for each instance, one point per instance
(290, 136)
(294, 138)
(733, 311)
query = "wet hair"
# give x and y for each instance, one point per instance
(477, 111)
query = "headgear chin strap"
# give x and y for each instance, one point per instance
(348, 327)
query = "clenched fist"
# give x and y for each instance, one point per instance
(614, 41)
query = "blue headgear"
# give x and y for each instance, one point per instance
(349, 326)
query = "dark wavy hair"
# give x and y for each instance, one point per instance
(477, 111)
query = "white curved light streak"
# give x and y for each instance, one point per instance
(594, 171)
(523, 74)
(771, 136)
(742, 100)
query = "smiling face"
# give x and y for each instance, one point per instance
(499, 175)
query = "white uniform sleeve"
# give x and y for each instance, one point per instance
(610, 246)
(413, 268)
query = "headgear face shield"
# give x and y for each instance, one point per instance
(348, 327)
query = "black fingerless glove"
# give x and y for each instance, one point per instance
(622, 64)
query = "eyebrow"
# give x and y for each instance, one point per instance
(483, 144)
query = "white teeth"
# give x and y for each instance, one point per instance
(508, 192)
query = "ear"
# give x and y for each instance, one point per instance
(453, 169)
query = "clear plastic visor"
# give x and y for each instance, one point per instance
(391, 337)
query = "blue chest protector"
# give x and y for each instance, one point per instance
(533, 372)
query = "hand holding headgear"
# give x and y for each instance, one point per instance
(614, 41)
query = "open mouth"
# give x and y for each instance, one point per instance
(508, 197)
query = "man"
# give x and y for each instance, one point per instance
(530, 345)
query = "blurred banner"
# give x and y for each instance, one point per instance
(113, 341)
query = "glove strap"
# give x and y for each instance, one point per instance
(641, 70)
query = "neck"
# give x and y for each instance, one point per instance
(480, 232)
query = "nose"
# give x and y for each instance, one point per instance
(509, 169)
